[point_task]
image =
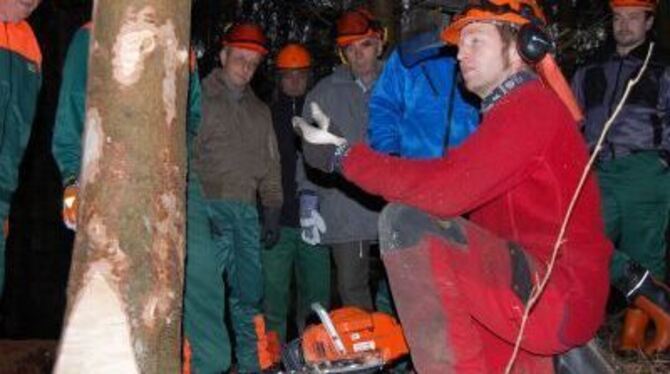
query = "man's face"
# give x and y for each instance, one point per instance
(294, 81)
(630, 26)
(362, 55)
(483, 58)
(17, 10)
(239, 65)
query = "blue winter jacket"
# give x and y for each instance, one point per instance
(413, 110)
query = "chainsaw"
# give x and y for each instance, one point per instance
(348, 340)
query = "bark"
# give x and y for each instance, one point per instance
(125, 286)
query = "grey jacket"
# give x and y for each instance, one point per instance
(236, 155)
(350, 214)
(643, 123)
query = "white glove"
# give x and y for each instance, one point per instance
(319, 134)
(313, 227)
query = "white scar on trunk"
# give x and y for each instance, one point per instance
(173, 58)
(135, 41)
(97, 337)
(92, 147)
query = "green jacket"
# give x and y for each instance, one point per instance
(70, 115)
(20, 81)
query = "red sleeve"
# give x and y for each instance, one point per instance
(508, 146)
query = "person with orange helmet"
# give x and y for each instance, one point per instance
(349, 224)
(292, 255)
(20, 79)
(235, 160)
(633, 167)
(461, 286)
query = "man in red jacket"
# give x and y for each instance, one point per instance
(461, 285)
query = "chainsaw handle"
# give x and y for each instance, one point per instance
(330, 328)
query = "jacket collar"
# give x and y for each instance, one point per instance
(508, 85)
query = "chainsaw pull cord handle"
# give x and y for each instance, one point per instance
(330, 328)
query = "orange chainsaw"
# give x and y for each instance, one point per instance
(348, 340)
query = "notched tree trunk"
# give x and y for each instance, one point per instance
(125, 287)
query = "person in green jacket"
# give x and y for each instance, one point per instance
(208, 343)
(20, 81)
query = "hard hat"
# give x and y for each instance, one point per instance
(293, 56)
(647, 4)
(357, 24)
(518, 12)
(246, 36)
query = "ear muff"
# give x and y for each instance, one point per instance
(533, 43)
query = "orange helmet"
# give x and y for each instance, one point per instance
(647, 4)
(517, 12)
(247, 36)
(355, 25)
(293, 56)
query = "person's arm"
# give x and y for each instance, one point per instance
(270, 187)
(499, 155)
(386, 107)
(664, 111)
(69, 124)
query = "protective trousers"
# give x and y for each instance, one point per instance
(236, 234)
(311, 266)
(204, 290)
(636, 204)
(4, 214)
(460, 294)
(352, 263)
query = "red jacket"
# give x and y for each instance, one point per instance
(515, 177)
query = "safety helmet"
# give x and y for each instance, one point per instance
(293, 56)
(246, 36)
(517, 12)
(357, 24)
(647, 4)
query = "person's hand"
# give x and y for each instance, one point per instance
(311, 223)
(321, 147)
(70, 206)
(270, 231)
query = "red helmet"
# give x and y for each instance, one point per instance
(647, 4)
(247, 36)
(355, 25)
(517, 12)
(293, 56)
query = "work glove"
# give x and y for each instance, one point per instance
(651, 297)
(321, 148)
(311, 223)
(70, 206)
(270, 229)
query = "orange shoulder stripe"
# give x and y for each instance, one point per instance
(19, 38)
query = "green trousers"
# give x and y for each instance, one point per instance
(236, 234)
(204, 290)
(636, 203)
(311, 267)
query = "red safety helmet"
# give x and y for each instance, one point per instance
(247, 36)
(293, 56)
(647, 4)
(518, 12)
(357, 24)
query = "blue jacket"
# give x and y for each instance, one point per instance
(413, 110)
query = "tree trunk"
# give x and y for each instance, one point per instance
(126, 279)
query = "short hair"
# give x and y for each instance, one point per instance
(508, 32)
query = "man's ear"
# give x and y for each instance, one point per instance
(223, 55)
(649, 23)
(380, 48)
